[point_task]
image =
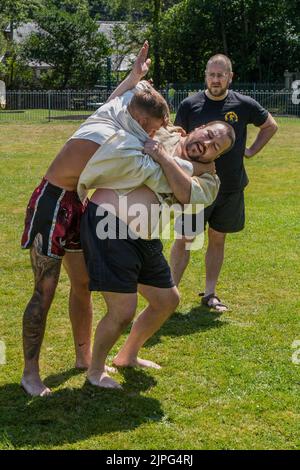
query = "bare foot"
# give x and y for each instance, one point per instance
(33, 385)
(136, 362)
(103, 380)
(110, 370)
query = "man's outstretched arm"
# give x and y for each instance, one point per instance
(139, 70)
(180, 183)
(186, 188)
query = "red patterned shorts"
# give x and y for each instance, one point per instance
(55, 214)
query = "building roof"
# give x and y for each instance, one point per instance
(118, 62)
(106, 27)
(22, 31)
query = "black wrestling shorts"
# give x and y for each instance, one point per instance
(119, 262)
(225, 215)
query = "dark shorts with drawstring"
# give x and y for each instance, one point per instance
(225, 215)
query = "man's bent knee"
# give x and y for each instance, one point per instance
(180, 243)
(216, 237)
(168, 302)
(124, 317)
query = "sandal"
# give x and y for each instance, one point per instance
(216, 306)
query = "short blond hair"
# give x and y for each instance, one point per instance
(151, 103)
(220, 59)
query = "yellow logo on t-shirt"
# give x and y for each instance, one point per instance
(231, 117)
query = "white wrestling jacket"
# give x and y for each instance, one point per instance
(120, 164)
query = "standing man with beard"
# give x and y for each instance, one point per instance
(227, 213)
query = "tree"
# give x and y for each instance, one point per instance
(146, 14)
(121, 10)
(187, 40)
(68, 40)
(262, 38)
(156, 42)
(13, 12)
(126, 40)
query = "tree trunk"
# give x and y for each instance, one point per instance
(156, 43)
(66, 76)
(10, 38)
(246, 14)
(223, 29)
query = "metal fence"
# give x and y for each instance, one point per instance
(279, 103)
(78, 105)
(51, 105)
(253, 86)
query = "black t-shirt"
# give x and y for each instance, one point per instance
(236, 109)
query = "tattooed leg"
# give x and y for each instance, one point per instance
(46, 273)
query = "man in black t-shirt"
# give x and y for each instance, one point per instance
(227, 213)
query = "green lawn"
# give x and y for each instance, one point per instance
(228, 382)
(42, 115)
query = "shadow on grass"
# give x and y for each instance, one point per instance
(181, 324)
(55, 380)
(72, 415)
(136, 380)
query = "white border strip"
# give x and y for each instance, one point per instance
(34, 214)
(80, 250)
(53, 225)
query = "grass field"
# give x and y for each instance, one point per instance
(227, 382)
(42, 115)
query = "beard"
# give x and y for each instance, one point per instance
(218, 91)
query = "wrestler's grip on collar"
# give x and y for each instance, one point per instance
(155, 149)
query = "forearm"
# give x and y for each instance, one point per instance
(139, 70)
(127, 84)
(180, 183)
(266, 132)
(262, 139)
